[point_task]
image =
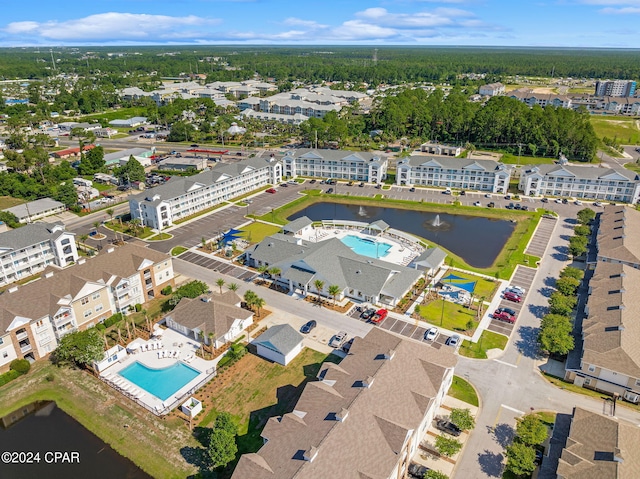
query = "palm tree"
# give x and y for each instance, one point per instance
(83, 239)
(233, 287)
(319, 284)
(249, 299)
(275, 271)
(262, 269)
(220, 283)
(480, 306)
(201, 338)
(210, 336)
(258, 303)
(334, 290)
(134, 224)
(110, 212)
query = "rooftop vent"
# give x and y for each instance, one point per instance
(82, 261)
(300, 414)
(48, 274)
(110, 250)
(342, 415)
(13, 290)
(205, 299)
(367, 383)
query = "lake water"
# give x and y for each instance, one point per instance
(45, 429)
(475, 239)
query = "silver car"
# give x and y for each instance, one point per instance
(338, 339)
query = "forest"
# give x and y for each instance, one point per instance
(394, 65)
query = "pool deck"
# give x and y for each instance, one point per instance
(171, 341)
(399, 253)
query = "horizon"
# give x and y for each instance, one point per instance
(582, 24)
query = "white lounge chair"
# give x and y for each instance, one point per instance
(140, 395)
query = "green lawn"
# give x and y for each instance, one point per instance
(484, 287)
(464, 391)
(633, 167)
(119, 114)
(178, 250)
(454, 318)
(488, 340)
(624, 128)
(256, 232)
(160, 237)
(526, 160)
(9, 201)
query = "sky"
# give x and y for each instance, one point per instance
(553, 23)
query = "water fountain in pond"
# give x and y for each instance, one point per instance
(362, 211)
(437, 224)
(437, 221)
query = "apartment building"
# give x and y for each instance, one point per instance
(621, 88)
(182, 197)
(589, 182)
(617, 237)
(29, 250)
(541, 99)
(338, 164)
(448, 172)
(34, 316)
(492, 89)
(343, 425)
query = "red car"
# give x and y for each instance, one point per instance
(271, 190)
(511, 296)
(380, 316)
(504, 316)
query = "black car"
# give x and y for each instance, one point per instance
(462, 193)
(545, 200)
(517, 206)
(330, 190)
(565, 201)
(308, 327)
(312, 182)
(412, 190)
(524, 208)
(367, 313)
(510, 206)
(448, 427)
(194, 146)
(361, 184)
(417, 471)
(506, 310)
(491, 205)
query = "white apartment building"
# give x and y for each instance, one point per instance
(447, 172)
(492, 89)
(541, 99)
(34, 316)
(28, 250)
(182, 197)
(589, 182)
(338, 164)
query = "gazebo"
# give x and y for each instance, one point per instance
(379, 226)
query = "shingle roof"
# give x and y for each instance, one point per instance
(431, 257)
(600, 447)
(336, 155)
(35, 207)
(581, 172)
(618, 231)
(39, 298)
(366, 442)
(450, 162)
(282, 338)
(30, 234)
(297, 224)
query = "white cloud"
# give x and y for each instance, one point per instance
(114, 26)
(303, 23)
(359, 30)
(620, 11)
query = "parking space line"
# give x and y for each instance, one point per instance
(512, 409)
(505, 363)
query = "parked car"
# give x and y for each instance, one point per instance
(448, 427)
(329, 191)
(338, 339)
(477, 203)
(417, 471)
(565, 201)
(517, 206)
(507, 310)
(284, 185)
(487, 195)
(491, 205)
(412, 189)
(312, 182)
(350, 183)
(447, 191)
(520, 291)
(463, 193)
(545, 200)
(577, 202)
(524, 208)
(308, 327)
(292, 182)
(510, 206)
(346, 347)
(431, 334)
(597, 203)
(511, 296)
(453, 341)
(271, 190)
(379, 316)
(361, 184)
(194, 146)
(367, 313)
(504, 316)
(558, 200)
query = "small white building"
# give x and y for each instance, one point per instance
(279, 343)
(35, 210)
(129, 123)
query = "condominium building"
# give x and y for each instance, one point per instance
(623, 88)
(182, 197)
(34, 316)
(447, 172)
(541, 99)
(591, 182)
(617, 237)
(492, 89)
(363, 418)
(29, 250)
(339, 164)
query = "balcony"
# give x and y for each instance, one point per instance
(22, 335)
(58, 320)
(25, 347)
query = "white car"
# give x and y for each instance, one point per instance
(477, 203)
(558, 200)
(431, 334)
(577, 202)
(517, 289)
(597, 203)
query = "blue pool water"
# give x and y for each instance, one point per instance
(366, 247)
(162, 383)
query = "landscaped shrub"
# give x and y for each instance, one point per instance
(21, 366)
(8, 376)
(111, 320)
(138, 308)
(100, 327)
(167, 290)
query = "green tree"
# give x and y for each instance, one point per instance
(582, 230)
(10, 219)
(250, 298)
(586, 215)
(561, 304)
(258, 302)
(274, 271)
(132, 170)
(92, 161)
(224, 421)
(433, 474)
(80, 348)
(571, 272)
(447, 446)
(222, 447)
(567, 285)
(578, 245)
(233, 287)
(462, 418)
(520, 459)
(334, 290)
(319, 285)
(220, 284)
(531, 430)
(110, 212)
(555, 334)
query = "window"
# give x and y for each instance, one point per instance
(587, 381)
(95, 295)
(591, 368)
(637, 380)
(84, 300)
(1, 341)
(88, 313)
(99, 308)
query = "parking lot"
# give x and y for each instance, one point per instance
(522, 277)
(540, 239)
(218, 266)
(408, 328)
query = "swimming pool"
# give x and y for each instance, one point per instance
(162, 383)
(366, 246)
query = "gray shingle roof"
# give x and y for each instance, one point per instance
(282, 338)
(379, 225)
(297, 224)
(35, 207)
(581, 172)
(431, 258)
(450, 162)
(30, 234)
(337, 155)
